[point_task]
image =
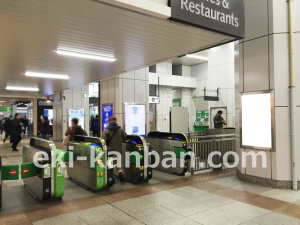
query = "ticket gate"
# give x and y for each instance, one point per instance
(7, 172)
(171, 142)
(133, 173)
(45, 182)
(91, 175)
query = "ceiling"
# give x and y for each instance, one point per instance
(187, 61)
(32, 31)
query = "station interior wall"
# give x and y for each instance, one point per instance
(130, 87)
(262, 63)
(189, 82)
(73, 100)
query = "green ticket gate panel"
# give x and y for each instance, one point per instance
(44, 182)
(28, 170)
(88, 170)
(10, 172)
(137, 171)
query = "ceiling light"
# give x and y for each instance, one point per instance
(46, 75)
(197, 57)
(2, 101)
(84, 55)
(22, 88)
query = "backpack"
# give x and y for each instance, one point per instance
(78, 131)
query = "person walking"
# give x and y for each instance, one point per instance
(219, 120)
(74, 130)
(7, 128)
(95, 126)
(43, 128)
(114, 136)
(16, 131)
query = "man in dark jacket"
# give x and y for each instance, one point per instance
(219, 120)
(95, 126)
(114, 136)
(16, 131)
(7, 128)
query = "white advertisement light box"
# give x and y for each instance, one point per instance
(256, 118)
(78, 114)
(135, 119)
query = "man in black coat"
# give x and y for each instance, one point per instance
(7, 128)
(16, 131)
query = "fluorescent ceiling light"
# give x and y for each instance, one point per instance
(2, 101)
(46, 75)
(197, 57)
(84, 55)
(22, 89)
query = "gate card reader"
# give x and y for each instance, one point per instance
(46, 183)
(134, 174)
(85, 172)
(171, 142)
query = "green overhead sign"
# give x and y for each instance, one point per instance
(4, 109)
(85, 95)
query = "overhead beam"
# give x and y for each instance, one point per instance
(143, 6)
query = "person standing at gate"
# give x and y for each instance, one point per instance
(219, 120)
(44, 127)
(114, 136)
(16, 131)
(95, 126)
(7, 128)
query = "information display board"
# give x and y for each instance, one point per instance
(202, 118)
(257, 120)
(107, 111)
(135, 119)
(79, 114)
(49, 114)
(213, 112)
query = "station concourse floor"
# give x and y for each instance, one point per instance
(206, 198)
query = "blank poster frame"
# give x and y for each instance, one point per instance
(271, 92)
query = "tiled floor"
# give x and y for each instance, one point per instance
(208, 199)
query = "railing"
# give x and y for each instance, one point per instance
(202, 146)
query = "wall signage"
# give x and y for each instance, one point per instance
(107, 111)
(4, 109)
(154, 99)
(135, 119)
(223, 16)
(78, 114)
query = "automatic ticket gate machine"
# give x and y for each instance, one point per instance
(171, 142)
(136, 174)
(7, 172)
(92, 176)
(47, 181)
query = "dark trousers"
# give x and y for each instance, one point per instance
(95, 133)
(16, 138)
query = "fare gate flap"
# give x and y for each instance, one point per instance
(28, 170)
(10, 172)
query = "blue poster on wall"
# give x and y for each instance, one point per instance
(107, 111)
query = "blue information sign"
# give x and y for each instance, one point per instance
(107, 111)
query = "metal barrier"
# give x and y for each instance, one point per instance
(202, 146)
